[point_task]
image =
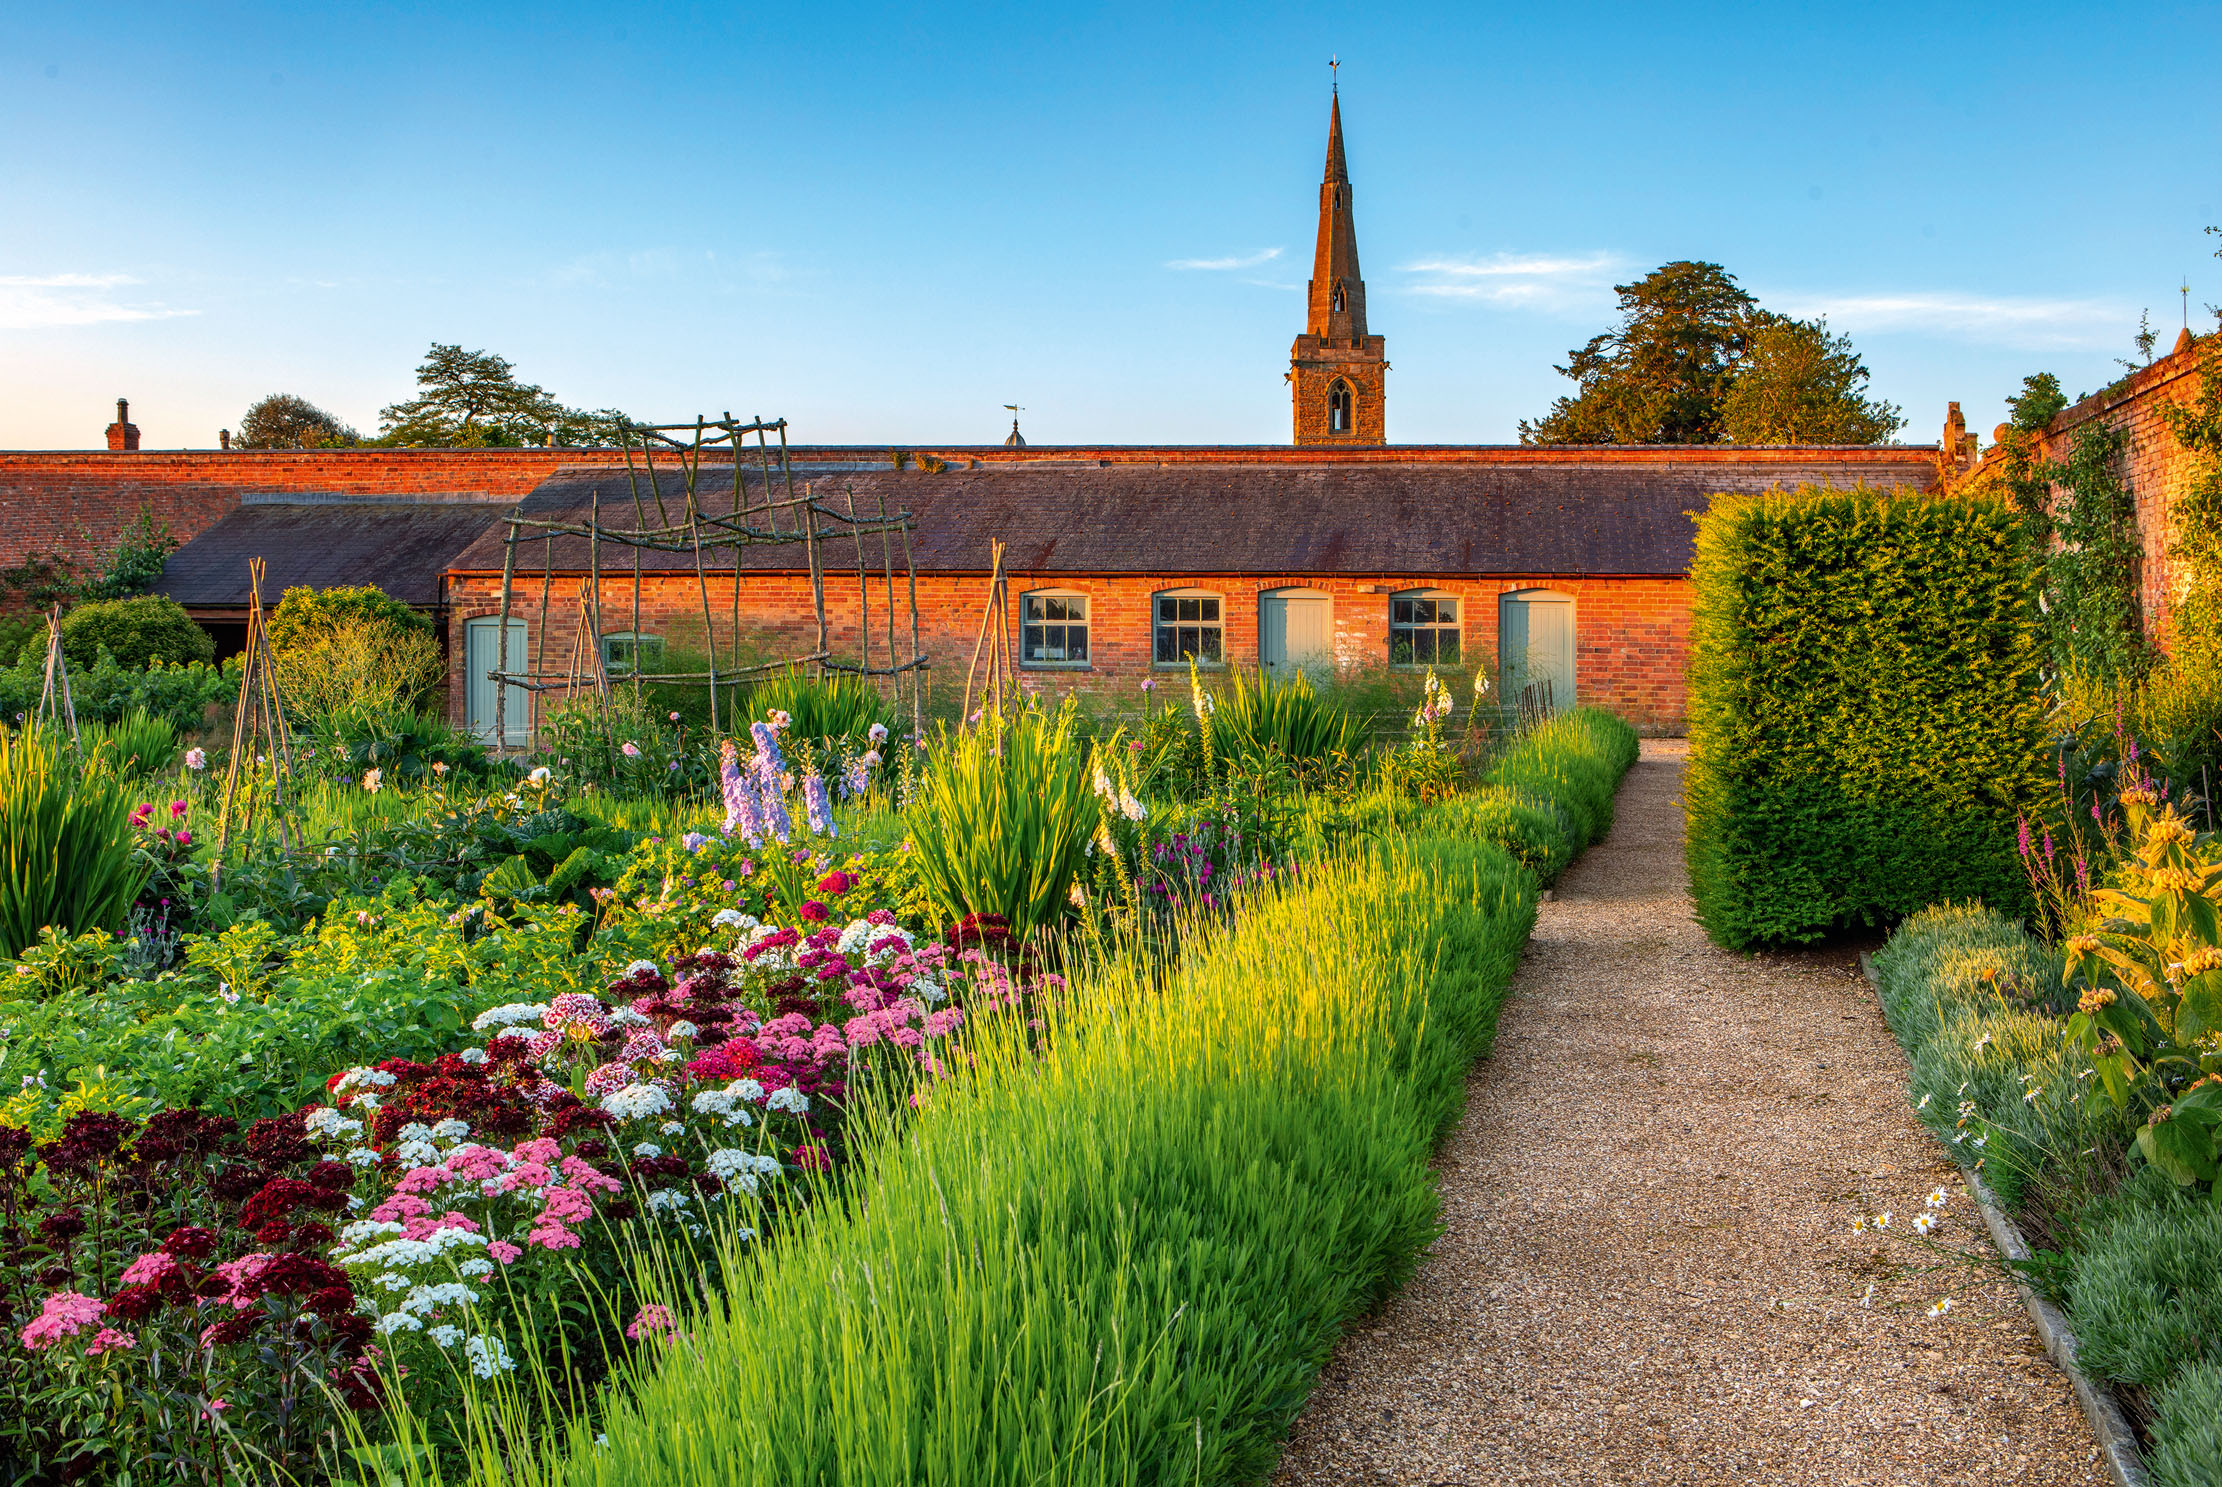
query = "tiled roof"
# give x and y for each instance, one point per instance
(403, 547)
(1610, 518)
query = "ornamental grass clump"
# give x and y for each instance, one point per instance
(1256, 716)
(1001, 816)
(66, 853)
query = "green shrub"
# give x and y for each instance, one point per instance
(140, 743)
(1865, 719)
(66, 856)
(2187, 1433)
(357, 661)
(1536, 835)
(2148, 1294)
(151, 629)
(179, 695)
(305, 612)
(1002, 816)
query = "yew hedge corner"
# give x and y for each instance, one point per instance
(1865, 719)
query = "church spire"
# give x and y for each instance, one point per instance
(1337, 370)
(1337, 294)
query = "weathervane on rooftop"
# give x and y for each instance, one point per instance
(1017, 440)
(1334, 73)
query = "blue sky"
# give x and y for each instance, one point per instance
(885, 221)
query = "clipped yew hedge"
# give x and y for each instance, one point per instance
(1865, 720)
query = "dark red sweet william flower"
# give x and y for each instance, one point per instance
(135, 1303)
(331, 1301)
(63, 1226)
(236, 1329)
(190, 1243)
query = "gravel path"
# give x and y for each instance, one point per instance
(1649, 1272)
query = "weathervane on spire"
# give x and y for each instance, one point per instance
(1334, 74)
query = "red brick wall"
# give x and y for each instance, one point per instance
(1631, 634)
(2158, 469)
(74, 504)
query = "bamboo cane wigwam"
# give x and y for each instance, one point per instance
(728, 496)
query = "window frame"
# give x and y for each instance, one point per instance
(1086, 622)
(1157, 623)
(634, 638)
(1341, 388)
(1456, 627)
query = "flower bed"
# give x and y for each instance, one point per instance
(1126, 1249)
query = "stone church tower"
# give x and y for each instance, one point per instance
(1337, 374)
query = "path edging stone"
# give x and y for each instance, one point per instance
(2117, 1441)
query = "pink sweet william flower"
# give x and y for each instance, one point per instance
(552, 1237)
(65, 1314)
(560, 1206)
(422, 1180)
(109, 1340)
(540, 1149)
(148, 1270)
(476, 1163)
(651, 1320)
(608, 1079)
(526, 1175)
(504, 1251)
(586, 1179)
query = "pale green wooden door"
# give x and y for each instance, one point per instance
(1295, 631)
(479, 658)
(1535, 650)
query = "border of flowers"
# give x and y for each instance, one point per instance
(2117, 1441)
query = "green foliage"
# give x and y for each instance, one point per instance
(405, 746)
(1548, 795)
(2148, 1294)
(1800, 385)
(283, 421)
(1001, 817)
(2091, 569)
(2150, 1015)
(2187, 1436)
(824, 710)
(66, 857)
(2197, 550)
(305, 614)
(472, 399)
(1256, 716)
(1865, 714)
(152, 629)
(395, 972)
(140, 744)
(1695, 360)
(619, 741)
(179, 695)
(142, 549)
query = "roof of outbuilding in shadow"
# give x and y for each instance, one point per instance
(402, 546)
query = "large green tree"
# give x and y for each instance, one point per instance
(283, 421)
(1695, 360)
(468, 399)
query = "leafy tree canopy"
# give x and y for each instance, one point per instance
(283, 421)
(1695, 360)
(472, 399)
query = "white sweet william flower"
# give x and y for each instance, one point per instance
(509, 1015)
(473, 1055)
(417, 1153)
(727, 1162)
(446, 1336)
(626, 1017)
(745, 1089)
(634, 968)
(450, 1130)
(363, 1156)
(790, 1100)
(398, 1321)
(648, 1149)
(637, 1102)
(682, 1029)
(475, 1269)
(733, 919)
(488, 1356)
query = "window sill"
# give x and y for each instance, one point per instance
(1055, 666)
(1201, 665)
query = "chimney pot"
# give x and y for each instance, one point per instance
(224, 437)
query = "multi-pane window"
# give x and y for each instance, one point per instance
(1189, 628)
(1423, 631)
(1054, 630)
(622, 651)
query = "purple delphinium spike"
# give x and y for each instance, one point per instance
(741, 813)
(767, 748)
(776, 819)
(821, 808)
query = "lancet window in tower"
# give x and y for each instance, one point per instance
(1336, 302)
(1340, 405)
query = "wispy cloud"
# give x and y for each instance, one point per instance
(1248, 261)
(2011, 320)
(42, 301)
(1531, 280)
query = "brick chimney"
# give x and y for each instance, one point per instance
(123, 434)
